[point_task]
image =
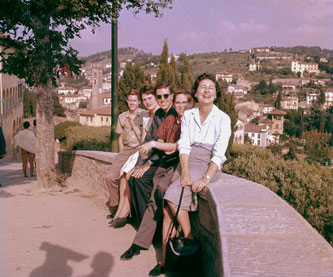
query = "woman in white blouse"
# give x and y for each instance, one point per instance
(205, 133)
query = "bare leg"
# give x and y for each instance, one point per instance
(183, 219)
(24, 157)
(124, 199)
(31, 162)
(167, 224)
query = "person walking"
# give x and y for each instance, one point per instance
(26, 140)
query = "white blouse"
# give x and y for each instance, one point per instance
(215, 130)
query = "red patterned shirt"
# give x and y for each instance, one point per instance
(169, 131)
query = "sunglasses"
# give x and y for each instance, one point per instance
(159, 97)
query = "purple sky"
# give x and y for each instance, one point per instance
(197, 26)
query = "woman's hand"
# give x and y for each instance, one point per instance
(185, 180)
(200, 184)
(145, 148)
(138, 171)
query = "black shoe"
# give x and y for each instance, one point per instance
(119, 222)
(130, 252)
(157, 270)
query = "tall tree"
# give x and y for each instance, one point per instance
(133, 78)
(165, 72)
(39, 31)
(175, 78)
(186, 76)
(277, 103)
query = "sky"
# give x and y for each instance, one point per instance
(200, 26)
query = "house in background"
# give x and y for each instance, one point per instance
(301, 67)
(328, 99)
(96, 117)
(277, 117)
(239, 133)
(258, 134)
(224, 76)
(289, 103)
(265, 108)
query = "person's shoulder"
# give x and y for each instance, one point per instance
(144, 112)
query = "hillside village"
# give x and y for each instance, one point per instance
(267, 85)
(296, 79)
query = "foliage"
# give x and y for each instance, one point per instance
(186, 77)
(30, 103)
(175, 77)
(317, 145)
(88, 138)
(83, 105)
(165, 71)
(60, 129)
(308, 188)
(133, 78)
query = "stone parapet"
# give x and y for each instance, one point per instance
(245, 229)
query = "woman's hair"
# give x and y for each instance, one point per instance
(181, 91)
(147, 89)
(204, 76)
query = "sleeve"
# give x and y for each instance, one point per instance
(221, 144)
(119, 128)
(184, 143)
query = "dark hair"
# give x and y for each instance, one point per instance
(204, 76)
(147, 89)
(26, 125)
(164, 85)
(34, 122)
(134, 92)
(181, 91)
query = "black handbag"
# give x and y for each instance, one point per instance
(182, 254)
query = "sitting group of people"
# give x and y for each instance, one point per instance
(170, 146)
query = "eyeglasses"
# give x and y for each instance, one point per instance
(166, 96)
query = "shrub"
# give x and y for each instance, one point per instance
(308, 188)
(60, 129)
(89, 138)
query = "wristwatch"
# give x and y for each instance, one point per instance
(207, 177)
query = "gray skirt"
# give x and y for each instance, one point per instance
(199, 161)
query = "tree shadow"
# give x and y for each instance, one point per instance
(101, 265)
(55, 263)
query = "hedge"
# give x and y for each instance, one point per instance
(308, 188)
(60, 129)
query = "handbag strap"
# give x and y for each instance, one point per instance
(175, 217)
(137, 136)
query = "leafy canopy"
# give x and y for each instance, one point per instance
(40, 32)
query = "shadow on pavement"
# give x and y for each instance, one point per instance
(10, 176)
(55, 263)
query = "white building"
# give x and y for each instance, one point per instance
(301, 67)
(289, 103)
(66, 90)
(259, 135)
(328, 99)
(239, 133)
(224, 76)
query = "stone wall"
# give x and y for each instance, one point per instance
(245, 229)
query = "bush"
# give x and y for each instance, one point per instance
(89, 138)
(308, 188)
(60, 129)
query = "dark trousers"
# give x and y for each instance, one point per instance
(140, 190)
(154, 209)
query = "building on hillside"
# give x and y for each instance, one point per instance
(86, 91)
(311, 98)
(302, 105)
(246, 83)
(265, 108)
(328, 99)
(106, 98)
(301, 67)
(224, 76)
(96, 117)
(257, 134)
(277, 117)
(254, 66)
(249, 104)
(243, 51)
(72, 102)
(289, 103)
(246, 114)
(260, 50)
(233, 88)
(66, 90)
(239, 132)
(11, 108)
(289, 86)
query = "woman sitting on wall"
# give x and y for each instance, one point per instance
(205, 133)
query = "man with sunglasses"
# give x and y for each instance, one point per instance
(141, 176)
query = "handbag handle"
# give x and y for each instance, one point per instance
(175, 217)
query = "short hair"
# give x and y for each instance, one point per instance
(147, 89)
(181, 91)
(34, 122)
(26, 125)
(134, 92)
(164, 85)
(208, 76)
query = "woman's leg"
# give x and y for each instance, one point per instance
(167, 224)
(124, 199)
(183, 219)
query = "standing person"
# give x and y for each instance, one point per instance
(205, 133)
(141, 176)
(131, 134)
(147, 94)
(26, 140)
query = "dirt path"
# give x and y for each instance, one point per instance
(60, 234)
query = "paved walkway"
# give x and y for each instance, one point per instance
(60, 233)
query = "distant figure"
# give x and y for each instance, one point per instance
(35, 127)
(2, 144)
(26, 140)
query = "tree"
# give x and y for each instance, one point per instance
(37, 49)
(175, 78)
(165, 71)
(278, 101)
(186, 77)
(133, 78)
(261, 88)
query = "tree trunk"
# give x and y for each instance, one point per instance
(45, 137)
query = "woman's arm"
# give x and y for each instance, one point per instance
(160, 145)
(185, 177)
(199, 184)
